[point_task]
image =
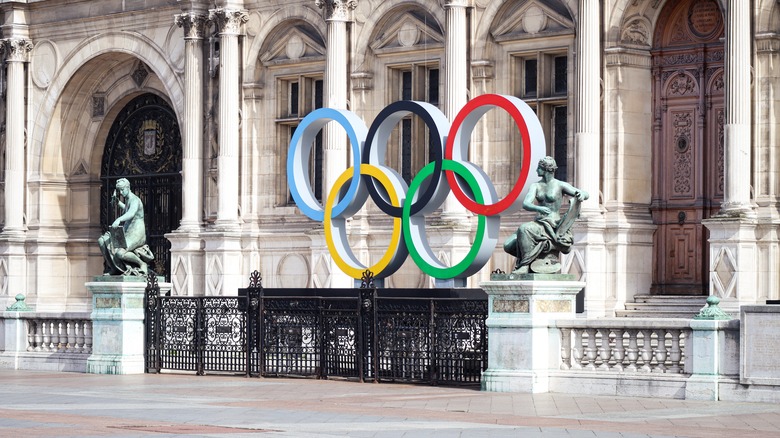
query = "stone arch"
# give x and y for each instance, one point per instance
(380, 17)
(483, 48)
(306, 14)
(112, 49)
(767, 16)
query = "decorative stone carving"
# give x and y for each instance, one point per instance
(98, 104)
(194, 25)
(534, 20)
(17, 49)
(636, 33)
(682, 84)
(228, 21)
(337, 9)
(140, 74)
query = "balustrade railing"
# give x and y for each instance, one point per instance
(621, 345)
(59, 334)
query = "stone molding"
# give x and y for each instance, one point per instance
(194, 25)
(337, 10)
(628, 58)
(17, 49)
(228, 21)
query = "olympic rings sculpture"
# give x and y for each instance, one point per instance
(408, 205)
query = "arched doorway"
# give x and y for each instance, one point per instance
(688, 142)
(144, 146)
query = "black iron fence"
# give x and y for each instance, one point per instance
(436, 336)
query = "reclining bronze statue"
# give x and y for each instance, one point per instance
(537, 245)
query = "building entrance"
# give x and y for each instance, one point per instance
(688, 142)
(144, 146)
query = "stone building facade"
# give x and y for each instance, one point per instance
(666, 111)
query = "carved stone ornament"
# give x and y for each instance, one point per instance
(228, 21)
(337, 9)
(17, 49)
(636, 33)
(194, 25)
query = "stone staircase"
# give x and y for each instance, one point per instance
(663, 306)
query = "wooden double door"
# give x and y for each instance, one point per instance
(688, 143)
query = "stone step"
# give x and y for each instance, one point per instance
(656, 314)
(663, 306)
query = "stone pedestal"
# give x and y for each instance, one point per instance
(118, 324)
(522, 345)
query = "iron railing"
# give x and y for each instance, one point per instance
(436, 336)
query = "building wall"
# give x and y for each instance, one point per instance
(87, 55)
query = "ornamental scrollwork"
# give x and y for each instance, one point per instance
(336, 9)
(683, 155)
(194, 25)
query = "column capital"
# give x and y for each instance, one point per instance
(16, 49)
(194, 25)
(228, 21)
(337, 10)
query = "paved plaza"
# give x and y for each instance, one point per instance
(40, 404)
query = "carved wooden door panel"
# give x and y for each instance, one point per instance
(688, 143)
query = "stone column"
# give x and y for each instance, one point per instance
(192, 162)
(455, 58)
(335, 156)
(456, 80)
(337, 14)
(737, 139)
(229, 23)
(587, 110)
(16, 52)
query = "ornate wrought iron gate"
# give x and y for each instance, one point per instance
(435, 336)
(144, 146)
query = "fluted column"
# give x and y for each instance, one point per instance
(455, 58)
(337, 13)
(736, 197)
(456, 79)
(16, 54)
(229, 23)
(587, 112)
(192, 162)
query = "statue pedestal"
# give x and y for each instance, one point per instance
(521, 342)
(118, 324)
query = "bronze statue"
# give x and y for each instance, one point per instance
(538, 244)
(124, 245)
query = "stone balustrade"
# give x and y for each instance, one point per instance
(45, 341)
(621, 345)
(59, 335)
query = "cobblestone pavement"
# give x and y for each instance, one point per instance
(42, 404)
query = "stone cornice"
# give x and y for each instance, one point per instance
(16, 49)
(628, 57)
(228, 21)
(337, 10)
(194, 25)
(767, 42)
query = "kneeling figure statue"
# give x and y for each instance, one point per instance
(537, 245)
(124, 245)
